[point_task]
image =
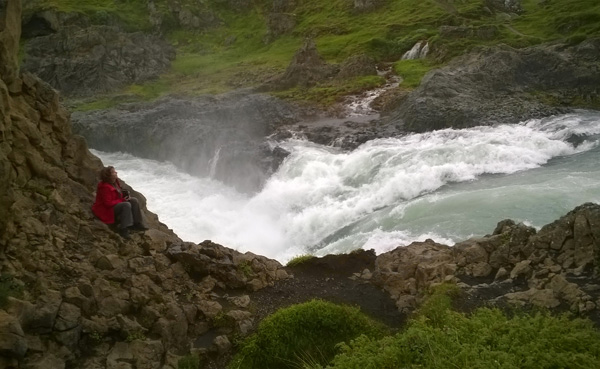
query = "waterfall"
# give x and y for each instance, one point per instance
(213, 163)
(418, 51)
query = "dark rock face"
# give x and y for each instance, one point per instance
(306, 69)
(222, 137)
(502, 85)
(97, 59)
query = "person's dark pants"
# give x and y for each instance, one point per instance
(128, 213)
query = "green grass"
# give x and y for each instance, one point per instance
(412, 71)
(303, 333)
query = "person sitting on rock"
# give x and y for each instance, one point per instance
(113, 204)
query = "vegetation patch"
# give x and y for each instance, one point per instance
(412, 71)
(300, 259)
(439, 337)
(303, 334)
(232, 51)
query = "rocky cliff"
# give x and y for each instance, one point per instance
(76, 295)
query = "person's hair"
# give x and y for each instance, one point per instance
(105, 173)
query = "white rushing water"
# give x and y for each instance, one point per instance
(446, 185)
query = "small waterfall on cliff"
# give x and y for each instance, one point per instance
(360, 105)
(446, 185)
(213, 163)
(418, 51)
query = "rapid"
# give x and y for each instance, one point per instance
(446, 185)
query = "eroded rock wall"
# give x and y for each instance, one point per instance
(80, 296)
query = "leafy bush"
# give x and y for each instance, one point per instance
(441, 338)
(303, 333)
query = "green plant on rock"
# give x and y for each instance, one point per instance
(300, 259)
(304, 333)
(135, 336)
(246, 268)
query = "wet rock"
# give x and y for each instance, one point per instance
(474, 89)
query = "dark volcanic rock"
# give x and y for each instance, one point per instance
(503, 85)
(86, 61)
(306, 69)
(218, 136)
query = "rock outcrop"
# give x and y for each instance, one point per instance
(555, 268)
(96, 59)
(222, 137)
(503, 85)
(306, 69)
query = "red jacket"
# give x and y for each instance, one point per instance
(107, 197)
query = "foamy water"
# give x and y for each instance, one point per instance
(446, 185)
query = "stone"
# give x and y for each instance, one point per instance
(12, 338)
(522, 269)
(544, 298)
(222, 344)
(68, 317)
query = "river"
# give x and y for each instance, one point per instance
(446, 185)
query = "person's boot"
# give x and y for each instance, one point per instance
(124, 232)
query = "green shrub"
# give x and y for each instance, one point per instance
(303, 333)
(441, 338)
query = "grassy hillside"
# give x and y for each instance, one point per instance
(233, 53)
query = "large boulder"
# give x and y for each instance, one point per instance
(97, 59)
(503, 85)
